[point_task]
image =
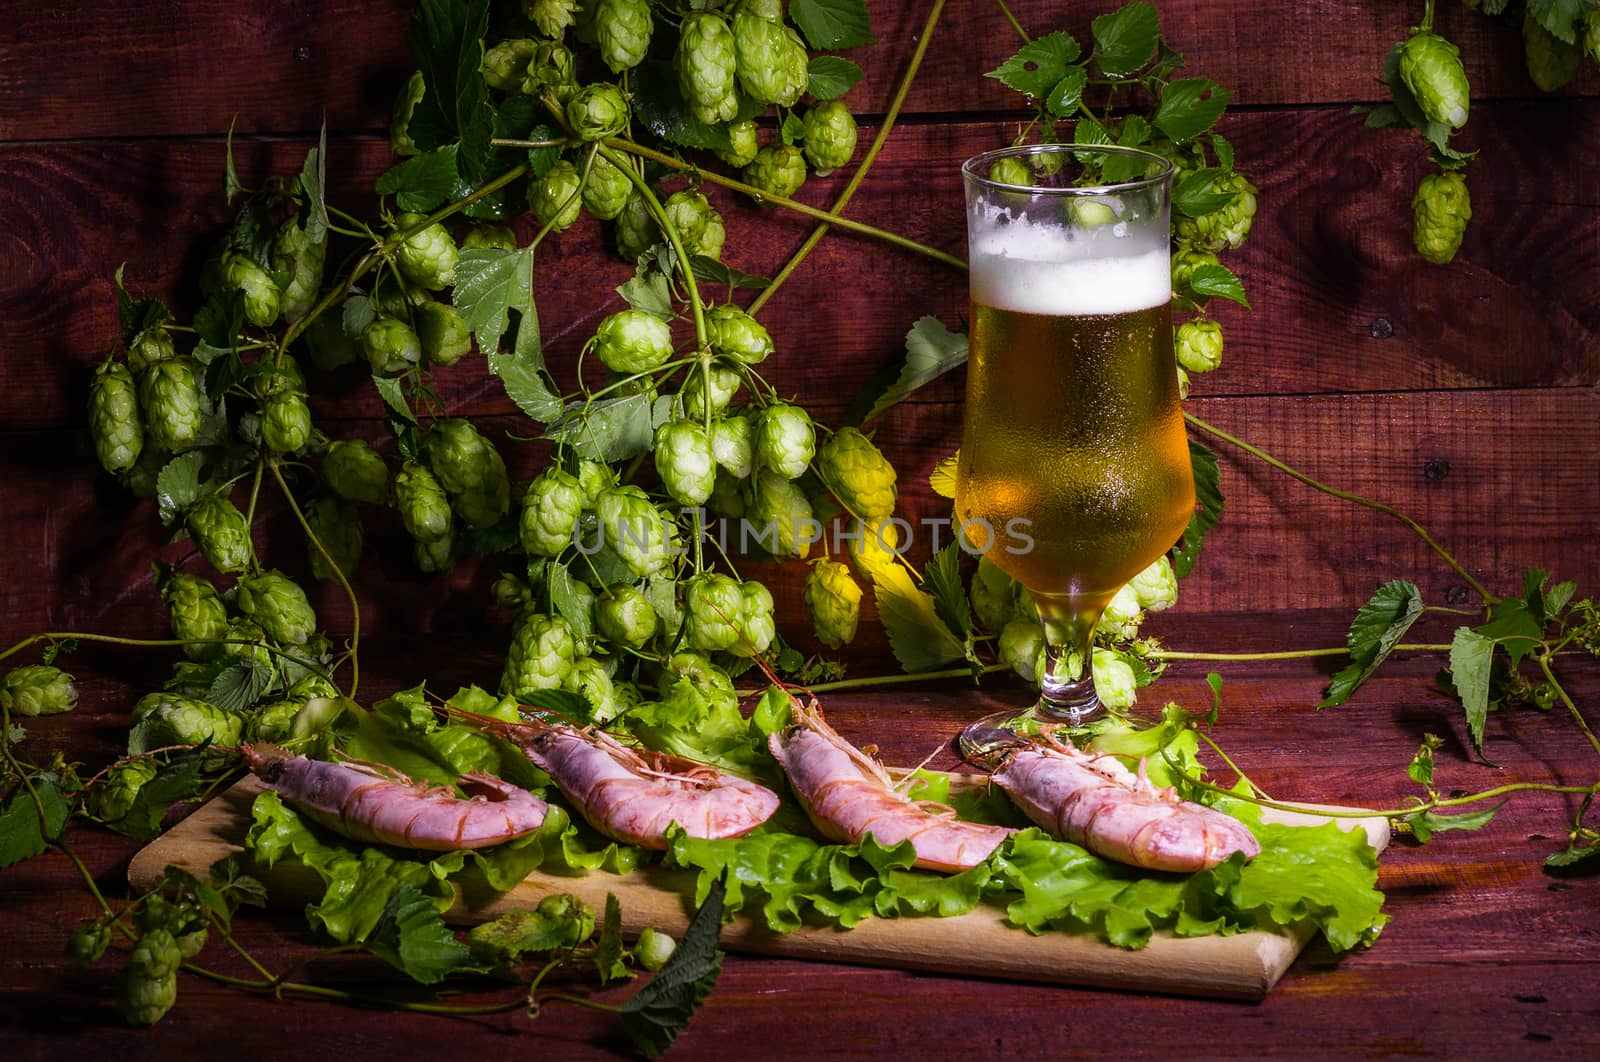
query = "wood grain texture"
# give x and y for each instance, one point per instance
(289, 67)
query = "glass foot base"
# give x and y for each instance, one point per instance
(984, 742)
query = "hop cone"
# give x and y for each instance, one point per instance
(597, 111)
(262, 299)
(737, 335)
(169, 397)
(541, 654)
(550, 510)
(698, 225)
(636, 229)
(993, 594)
(623, 615)
(732, 445)
(1225, 229)
(442, 333)
(1022, 647)
(1431, 68)
(607, 190)
(707, 64)
(633, 528)
(873, 547)
(114, 420)
(858, 474)
(285, 422)
(113, 798)
(434, 554)
(772, 59)
(588, 679)
(713, 611)
(426, 258)
(778, 169)
(390, 346)
(487, 234)
(1198, 345)
(785, 439)
(594, 477)
(1114, 680)
(150, 346)
(355, 472)
(247, 642)
(219, 528)
(1156, 586)
(294, 253)
(551, 68)
(470, 470)
(780, 515)
(38, 689)
(424, 506)
(833, 599)
(1185, 260)
(830, 138)
(1439, 214)
(337, 525)
(554, 198)
(631, 341)
(1552, 62)
(191, 721)
(278, 604)
(684, 461)
(195, 612)
(405, 105)
(759, 628)
(622, 29)
(1011, 170)
(742, 136)
(551, 16)
(709, 391)
(506, 64)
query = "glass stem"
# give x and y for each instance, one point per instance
(1066, 689)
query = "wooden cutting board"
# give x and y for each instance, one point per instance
(978, 943)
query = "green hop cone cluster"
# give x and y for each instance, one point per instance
(1439, 214)
(873, 547)
(337, 525)
(426, 258)
(114, 420)
(148, 985)
(758, 627)
(195, 612)
(785, 439)
(1185, 260)
(434, 555)
(632, 527)
(355, 472)
(150, 346)
(622, 30)
(38, 689)
(555, 198)
(833, 599)
(182, 919)
(698, 225)
(505, 64)
(221, 532)
(262, 299)
(470, 470)
(778, 170)
(1225, 229)
(733, 446)
(1552, 62)
(771, 57)
(1198, 345)
(735, 334)
(597, 111)
(1156, 586)
(707, 65)
(636, 230)
(713, 614)
(744, 143)
(830, 136)
(550, 509)
(245, 642)
(709, 391)
(169, 397)
(631, 341)
(181, 720)
(424, 506)
(858, 474)
(1122, 615)
(295, 254)
(1430, 67)
(1011, 170)
(541, 654)
(112, 798)
(390, 346)
(684, 461)
(1022, 647)
(405, 105)
(486, 234)
(552, 70)
(552, 17)
(1114, 681)
(780, 514)
(277, 603)
(442, 333)
(606, 191)
(285, 422)
(624, 616)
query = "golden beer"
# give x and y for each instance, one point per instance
(1074, 469)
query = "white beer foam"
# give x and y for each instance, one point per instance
(1020, 265)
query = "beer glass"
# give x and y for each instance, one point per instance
(1074, 467)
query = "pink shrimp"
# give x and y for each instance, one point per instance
(633, 795)
(1096, 802)
(366, 804)
(848, 795)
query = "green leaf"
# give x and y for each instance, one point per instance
(1516, 625)
(1376, 629)
(413, 938)
(239, 685)
(1424, 824)
(793, 130)
(1563, 18)
(230, 176)
(1208, 492)
(1214, 681)
(649, 291)
(446, 40)
(1195, 195)
(831, 76)
(659, 105)
(523, 373)
(1471, 660)
(931, 351)
(568, 604)
(943, 477)
(178, 779)
(423, 182)
(313, 187)
(26, 827)
(710, 271)
(943, 580)
(655, 1015)
(1064, 97)
(1190, 106)
(1383, 116)
(136, 315)
(1573, 855)
(220, 318)
(1420, 770)
(1217, 280)
(1089, 131)
(254, 230)
(489, 281)
(918, 638)
(614, 429)
(178, 485)
(609, 952)
(1039, 65)
(1224, 150)
(831, 25)
(1125, 39)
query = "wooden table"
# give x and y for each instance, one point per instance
(1486, 954)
